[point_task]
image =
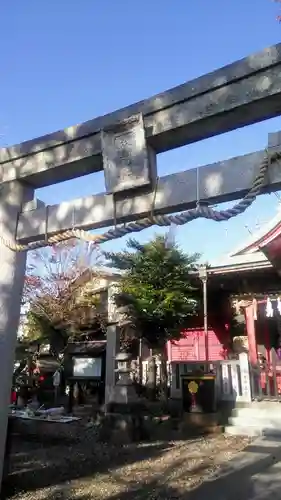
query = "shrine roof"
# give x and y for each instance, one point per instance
(261, 238)
(252, 254)
(239, 260)
(235, 264)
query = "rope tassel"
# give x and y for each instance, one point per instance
(200, 211)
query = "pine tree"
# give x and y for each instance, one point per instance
(157, 294)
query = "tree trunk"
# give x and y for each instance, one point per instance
(140, 374)
(164, 373)
(30, 370)
(151, 379)
(80, 398)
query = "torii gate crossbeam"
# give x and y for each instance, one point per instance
(236, 95)
(227, 180)
(125, 144)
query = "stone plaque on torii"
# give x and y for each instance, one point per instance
(124, 144)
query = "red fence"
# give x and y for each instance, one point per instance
(266, 382)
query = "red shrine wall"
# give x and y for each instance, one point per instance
(191, 347)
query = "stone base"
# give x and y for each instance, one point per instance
(134, 408)
(186, 427)
(201, 422)
(123, 394)
(122, 428)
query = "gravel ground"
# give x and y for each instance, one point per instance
(89, 470)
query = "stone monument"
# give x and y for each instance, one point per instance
(123, 420)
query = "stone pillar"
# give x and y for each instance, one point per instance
(112, 349)
(251, 332)
(245, 377)
(112, 342)
(12, 274)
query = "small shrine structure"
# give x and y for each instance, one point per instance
(244, 294)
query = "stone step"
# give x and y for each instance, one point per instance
(240, 430)
(263, 405)
(235, 430)
(257, 415)
(270, 422)
(252, 431)
(241, 427)
(258, 412)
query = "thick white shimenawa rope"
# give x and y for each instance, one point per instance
(200, 211)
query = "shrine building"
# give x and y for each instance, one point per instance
(244, 314)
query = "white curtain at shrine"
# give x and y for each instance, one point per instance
(270, 308)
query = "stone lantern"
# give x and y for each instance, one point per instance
(123, 420)
(124, 395)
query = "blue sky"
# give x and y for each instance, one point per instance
(65, 62)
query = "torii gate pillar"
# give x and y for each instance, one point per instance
(12, 272)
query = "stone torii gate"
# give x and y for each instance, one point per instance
(124, 144)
